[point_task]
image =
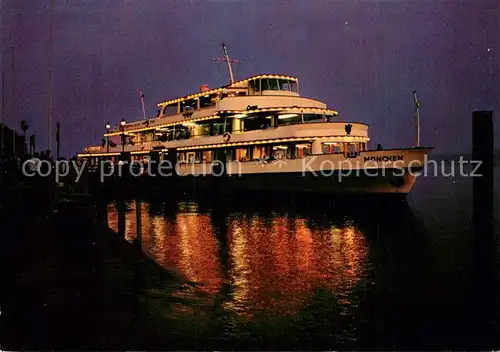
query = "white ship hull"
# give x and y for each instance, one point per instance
(389, 171)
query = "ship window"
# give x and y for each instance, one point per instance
(264, 83)
(181, 132)
(260, 153)
(191, 157)
(313, 118)
(289, 119)
(269, 84)
(330, 148)
(207, 156)
(170, 109)
(203, 130)
(257, 122)
(219, 128)
(254, 86)
(302, 150)
(284, 85)
(183, 157)
(280, 151)
(206, 101)
(189, 105)
(242, 154)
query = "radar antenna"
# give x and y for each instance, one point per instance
(229, 62)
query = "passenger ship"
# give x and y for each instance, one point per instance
(259, 133)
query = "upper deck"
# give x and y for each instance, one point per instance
(256, 93)
(263, 110)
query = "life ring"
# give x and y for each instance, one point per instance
(226, 136)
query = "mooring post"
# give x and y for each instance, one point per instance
(482, 152)
(483, 295)
(138, 239)
(102, 210)
(120, 208)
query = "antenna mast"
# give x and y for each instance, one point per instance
(229, 62)
(226, 55)
(141, 93)
(417, 118)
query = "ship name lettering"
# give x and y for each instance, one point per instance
(384, 158)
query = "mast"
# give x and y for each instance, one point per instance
(229, 62)
(229, 66)
(417, 119)
(49, 97)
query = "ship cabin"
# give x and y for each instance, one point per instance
(260, 117)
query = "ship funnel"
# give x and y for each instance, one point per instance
(204, 88)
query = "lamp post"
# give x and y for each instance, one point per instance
(108, 127)
(122, 129)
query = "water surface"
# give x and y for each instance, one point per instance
(324, 271)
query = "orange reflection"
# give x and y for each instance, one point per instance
(198, 251)
(278, 267)
(112, 217)
(275, 264)
(186, 245)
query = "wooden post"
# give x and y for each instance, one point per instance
(138, 222)
(102, 211)
(120, 208)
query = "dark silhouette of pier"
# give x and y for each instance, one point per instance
(484, 282)
(68, 281)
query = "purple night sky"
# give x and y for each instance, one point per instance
(362, 58)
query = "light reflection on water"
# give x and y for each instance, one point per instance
(277, 266)
(275, 263)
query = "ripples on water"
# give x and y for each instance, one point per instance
(348, 274)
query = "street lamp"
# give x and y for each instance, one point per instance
(108, 127)
(122, 129)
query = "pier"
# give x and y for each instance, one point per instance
(62, 269)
